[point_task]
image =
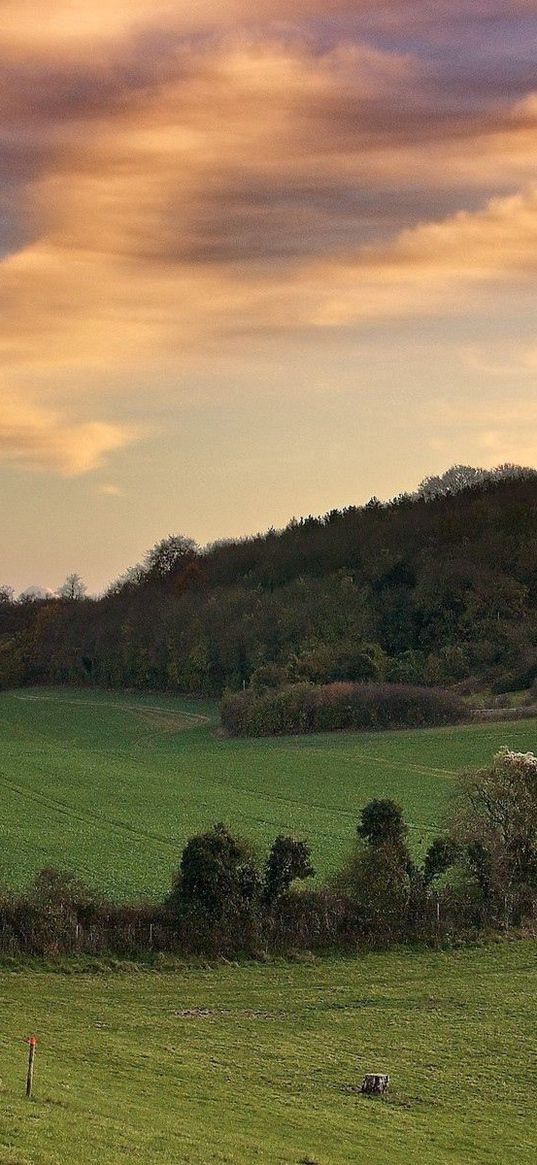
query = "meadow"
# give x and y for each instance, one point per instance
(261, 1063)
(111, 785)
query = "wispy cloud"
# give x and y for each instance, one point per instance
(36, 438)
(109, 490)
(506, 431)
(501, 361)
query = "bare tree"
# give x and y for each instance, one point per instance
(497, 822)
(73, 588)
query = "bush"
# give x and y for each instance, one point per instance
(302, 708)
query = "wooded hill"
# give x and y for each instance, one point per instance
(423, 590)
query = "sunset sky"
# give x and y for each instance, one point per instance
(252, 269)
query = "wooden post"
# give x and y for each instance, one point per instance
(32, 1042)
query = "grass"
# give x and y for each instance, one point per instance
(111, 785)
(260, 1064)
(242, 1064)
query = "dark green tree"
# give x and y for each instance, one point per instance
(288, 860)
(218, 875)
(441, 855)
(381, 823)
(482, 866)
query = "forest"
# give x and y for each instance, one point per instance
(433, 590)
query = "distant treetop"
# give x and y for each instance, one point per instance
(73, 588)
(460, 477)
(170, 556)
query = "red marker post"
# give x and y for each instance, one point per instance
(32, 1044)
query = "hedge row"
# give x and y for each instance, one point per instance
(324, 919)
(302, 708)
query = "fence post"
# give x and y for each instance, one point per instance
(32, 1042)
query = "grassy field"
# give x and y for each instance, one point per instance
(259, 1064)
(111, 785)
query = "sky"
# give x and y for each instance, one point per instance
(253, 269)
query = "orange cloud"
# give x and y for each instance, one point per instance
(498, 240)
(78, 19)
(173, 190)
(436, 264)
(37, 438)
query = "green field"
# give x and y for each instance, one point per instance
(259, 1063)
(111, 785)
(242, 1064)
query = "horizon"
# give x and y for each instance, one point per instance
(50, 590)
(251, 268)
(504, 472)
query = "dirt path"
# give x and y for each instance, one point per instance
(140, 709)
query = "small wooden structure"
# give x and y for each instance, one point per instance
(32, 1044)
(375, 1084)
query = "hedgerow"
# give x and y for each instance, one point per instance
(303, 708)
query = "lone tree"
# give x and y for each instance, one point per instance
(288, 860)
(378, 877)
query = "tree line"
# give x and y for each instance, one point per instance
(436, 589)
(479, 876)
